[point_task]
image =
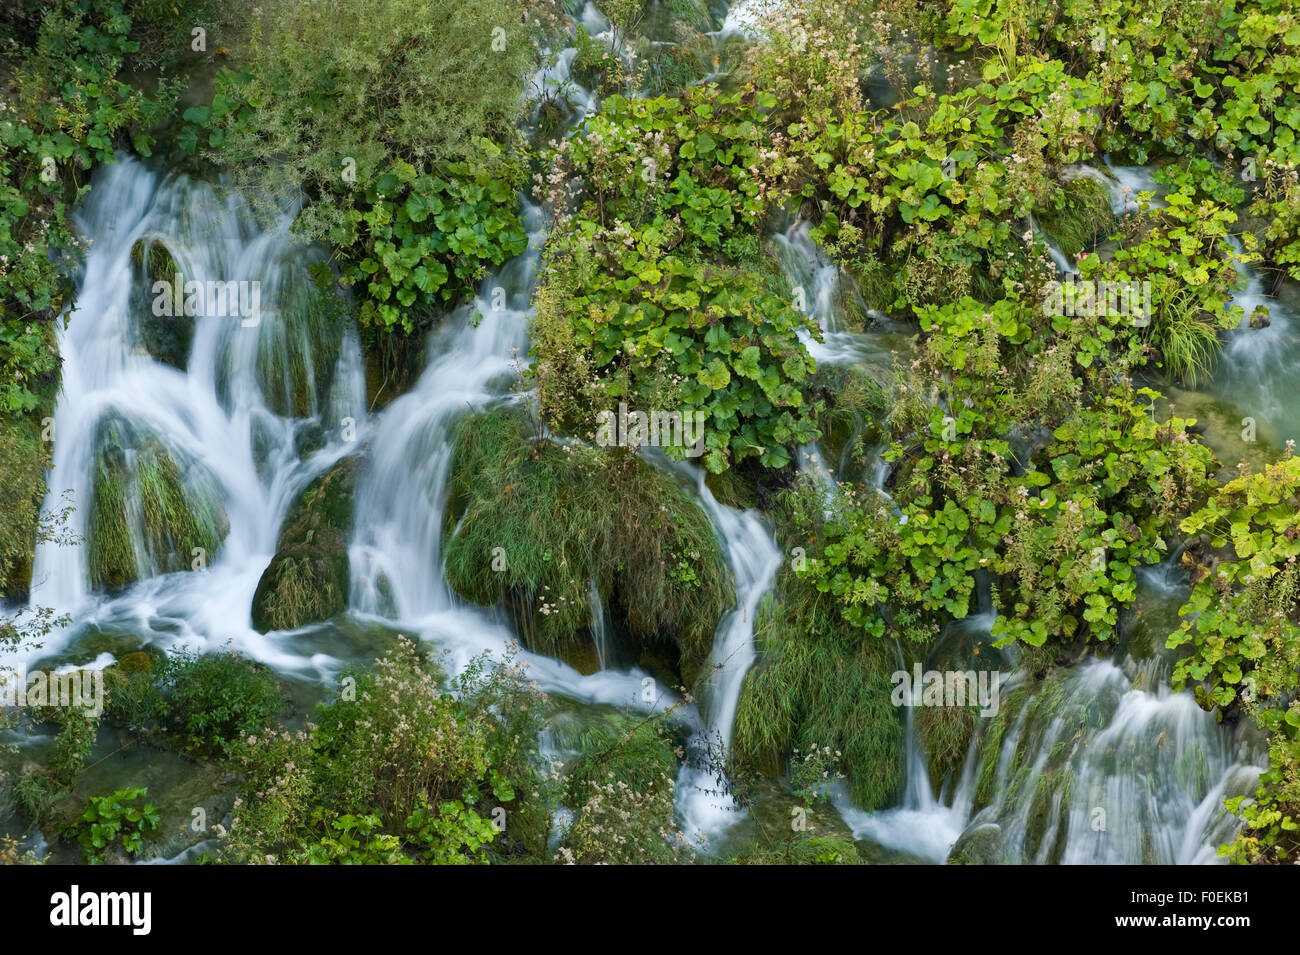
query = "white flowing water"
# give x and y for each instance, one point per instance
(753, 558)
(1101, 764)
(212, 418)
(1258, 367)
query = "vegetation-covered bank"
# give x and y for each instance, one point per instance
(975, 318)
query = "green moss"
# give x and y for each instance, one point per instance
(674, 67)
(817, 684)
(733, 488)
(148, 513)
(945, 733)
(532, 524)
(978, 847)
(807, 850)
(991, 745)
(166, 337)
(1077, 214)
(298, 350)
(1050, 802)
(308, 578)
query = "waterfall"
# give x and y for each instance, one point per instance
(598, 619)
(1101, 735)
(1101, 764)
(1258, 365)
(753, 558)
(212, 419)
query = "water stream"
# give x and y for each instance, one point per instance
(1101, 735)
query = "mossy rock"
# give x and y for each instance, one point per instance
(298, 349)
(856, 408)
(978, 846)
(167, 338)
(532, 524)
(137, 662)
(945, 733)
(307, 580)
(393, 361)
(151, 508)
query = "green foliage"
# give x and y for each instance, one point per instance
(400, 128)
(1244, 604)
(818, 683)
(1279, 202)
(565, 516)
(32, 794)
(1242, 627)
(396, 769)
(1271, 832)
(650, 297)
(211, 700)
(73, 745)
(114, 820)
(353, 840)
(935, 197)
(1188, 264)
(1063, 535)
(23, 458)
(621, 788)
(1077, 214)
(615, 748)
(70, 112)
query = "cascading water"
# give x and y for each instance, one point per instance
(212, 419)
(1258, 366)
(753, 558)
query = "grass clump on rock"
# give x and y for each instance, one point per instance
(307, 580)
(534, 523)
(150, 511)
(816, 683)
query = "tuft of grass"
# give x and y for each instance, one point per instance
(147, 510)
(1078, 212)
(23, 458)
(531, 524)
(945, 732)
(1186, 336)
(817, 684)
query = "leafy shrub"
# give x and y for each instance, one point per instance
(71, 111)
(211, 700)
(396, 769)
(650, 297)
(621, 789)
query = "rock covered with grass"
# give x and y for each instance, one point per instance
(533, 523)
(307, 580)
